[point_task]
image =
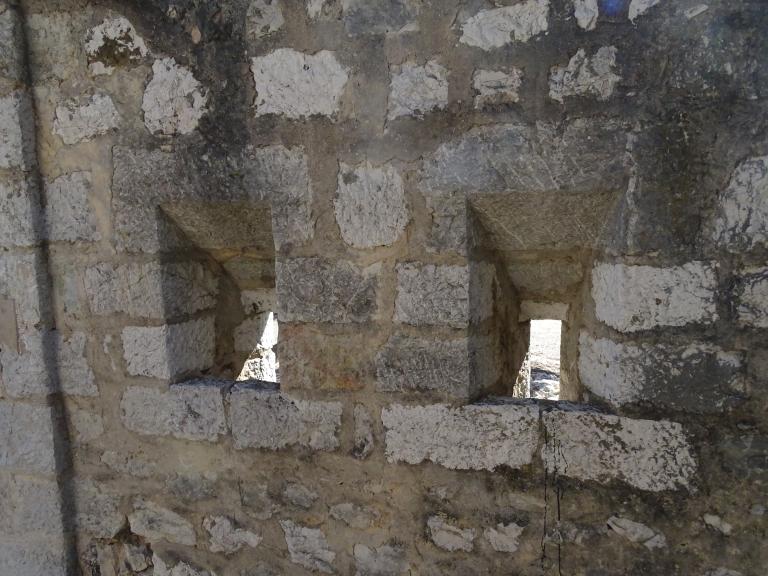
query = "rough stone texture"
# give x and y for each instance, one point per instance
(416, 90)
(640, 7)
(370, 205)
(504, 537)
(752, 301)
(17, 140)
(19, 208)
(633, 298)
(86, 425)
(264, 418)
(651, 455)
(362, 434)
(11, 64)
(363, 17)
(155, 522)
(320, 290)
(449, 537)
(169, 350)
(112, 43)
(174, 101)
(82, 121)
(474, 437)
(449, 222)
(69, 216)
(636, 532)
(150, 290)
(30, 507)
(494, 28)
(308, 547)
(193, 410)
(298, 85)
(26, 438)
(299, 496)
(225, 537)
(97, 511)
(586, 13)
(171, 566)
(406, 363)
(355, 516)
(585, 75)
(264, 17)
(432, 295)
(382, 561)
(494, 87)
(741, 221)
(33, 559)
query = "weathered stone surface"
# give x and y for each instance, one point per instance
(55, 45)
(406, 363)
(257, 501)
(172, 566)
(19, 213)
(586, 13)
(449, 222)
(448, 536)
(474, 437)
(86, 426)
(169, 350)
(320, 290)
(17, 134)
(416, 90)
(308, 547)
(504, 537)
(640, 7)
(636, 532)
(264, 17)
(21, 283)
(362, 434)
(545, 277)
(585, 75)
(741, 221)
(752, 302)
(355, 516)
(633, 298)
(261, 330)
(82, 121)
(379, 16)
(192, 410)
(26, 438)
(150, 290)
(69, 217)
(370, 205)
(651, 455)
(227, 538)
(97, 511)
(382, 561)
(113, 43)
(494, 28)
(432, 295)
(33, 558)
(11, 46)
(154, 523)
(299, 495)
(174, 101)
(262, 417)
(298, 85)
(714, 522)
(493, 87)
(30, 507)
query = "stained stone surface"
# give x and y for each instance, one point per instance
(752, 302)
(362, 17)
(380, 561)
(69, 216)
(264, 17)
(586, 13)
(155, 522)
(585, 75)
(494, 87)
(226, 537)
(113, 43)
(504, 537)
(81, 121)
(447, 536)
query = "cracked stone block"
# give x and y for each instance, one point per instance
(652, 455)
(30, 507)
(363, 17)
(586, 13)
(169, 350)
(298, 85)
(494, 88)
(489, 29)
(741, 221)
(384, 560)
(226, 537)
(320, 290)
(355, 516)
(113, 43)
(695, 377)
(19, 213)
(752, 301)
(150, 290)
(69, 217)
(406, 363)
(192, 410)
(97, 511)
(636, 532)
(174, 100)
(81, 121)
(262, 417)
(640, 7)
(633, 298)
(17, 133)
(432, 295)
(473, 437)
(504, 537)
(585, 75)
(370, 205)
(362, 434)
(155, 522)
(416, 90)
(308, 547)
(26, 438)
(446, 535)
(263, 18)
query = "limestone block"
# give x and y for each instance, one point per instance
(406, 363)
(586, 13)
(97, 511)
(169, 350)
(651, 455)
(154, 523)
(11, 46)
(416, 89)
(262, 417)
(355, 516)
(362, 434)
(227, 538)
(640, 7)
(192, 410)
(174, 101)
(363, 17)
(82, 121)
(320, 290)
(298, 85)
(493, 87)
(432, 295)
(380, 561)
(19, 213)
(113, 43)
(263, 18)
(633, 298)
(26, 438)
(504, 537)
(449, 537)
(21, 276)
(17, 133)
(30, 507)
(752, 302)
(150, 290)
(585, 75)
(257, 501)
(308, 547)
(636, 532)
(69, 217)
(489, 29)
(696, 377)
(370, 205)
(741, 221)
(33, 558)
(473, 437)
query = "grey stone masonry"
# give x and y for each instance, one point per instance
(432, 295)
(26, 438)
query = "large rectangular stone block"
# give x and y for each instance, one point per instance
(432, 295)
(26, 438)
(69, 217)
(20, 215)
(21, 277)
(30, 506)
(44, 557)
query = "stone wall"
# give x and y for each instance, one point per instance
(404, 184)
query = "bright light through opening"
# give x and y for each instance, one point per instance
(544, 357)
